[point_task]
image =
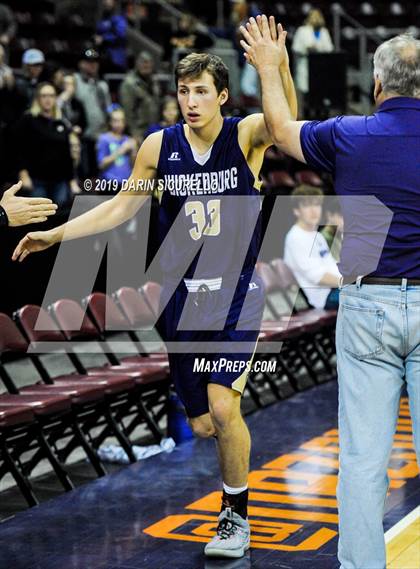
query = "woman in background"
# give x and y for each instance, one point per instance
(42, 137)
(313, 36)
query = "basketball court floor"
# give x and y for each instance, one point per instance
(159, 513)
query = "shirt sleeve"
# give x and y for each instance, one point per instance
(317, 139)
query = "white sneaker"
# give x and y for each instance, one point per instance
(232, 538)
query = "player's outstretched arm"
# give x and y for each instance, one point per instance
(22, 211)
(267, 54)
(105, 216)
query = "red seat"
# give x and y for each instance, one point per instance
(45, 404)
(281, 179)
(308, 177)
(108, 316)
(30, 316)
(151, 293)
(111, 384)
(140, 373)
(136, 309)
(79, 394)
(17, 415)
(76, 325)
(139, 315)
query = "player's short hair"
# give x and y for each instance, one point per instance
(397, 65)
(194, 64)
(305, 195)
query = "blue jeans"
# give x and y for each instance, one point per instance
(378, 354)
(58, 192)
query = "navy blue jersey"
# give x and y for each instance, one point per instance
(205, 197)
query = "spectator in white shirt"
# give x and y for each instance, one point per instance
(313, 36)
(307, 253)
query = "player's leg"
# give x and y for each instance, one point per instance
(234, 443)
(202, 426)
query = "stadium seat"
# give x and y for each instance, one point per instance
(280, 180)
(109, 318)
(69, 314)
(307, 329)
(118, 390)
(19, 433)
(308, 177)
(151, 294)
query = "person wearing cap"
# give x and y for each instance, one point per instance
(15, 210)
(33, 61)
(94, 94)
(140, 97)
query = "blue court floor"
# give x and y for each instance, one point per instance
(158, 513)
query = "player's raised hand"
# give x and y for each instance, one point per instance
(21, 211)
(32, 243)
(264, 43)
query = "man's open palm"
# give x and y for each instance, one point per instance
(22, 211)
(264, 42)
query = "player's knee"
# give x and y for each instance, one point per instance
(202, 429)
(222, 414)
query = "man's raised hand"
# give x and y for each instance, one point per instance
(264, 43)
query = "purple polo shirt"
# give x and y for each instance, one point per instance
(375, 161)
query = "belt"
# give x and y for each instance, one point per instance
(396, 281)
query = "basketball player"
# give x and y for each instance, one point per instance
(200, 162)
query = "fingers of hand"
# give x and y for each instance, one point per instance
(38, 219)
(253, 28)
(43, 208)
(273, 28)
(15, 188)
(23, 256)
(39, 201)
(246, 47)
(263, 26)
(246, 35)
(282, 36)
(19, 248)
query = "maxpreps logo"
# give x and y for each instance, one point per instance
(293, 504)
(203, 365)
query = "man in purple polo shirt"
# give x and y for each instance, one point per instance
(375, 163)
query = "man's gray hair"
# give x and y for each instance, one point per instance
(397, 65)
